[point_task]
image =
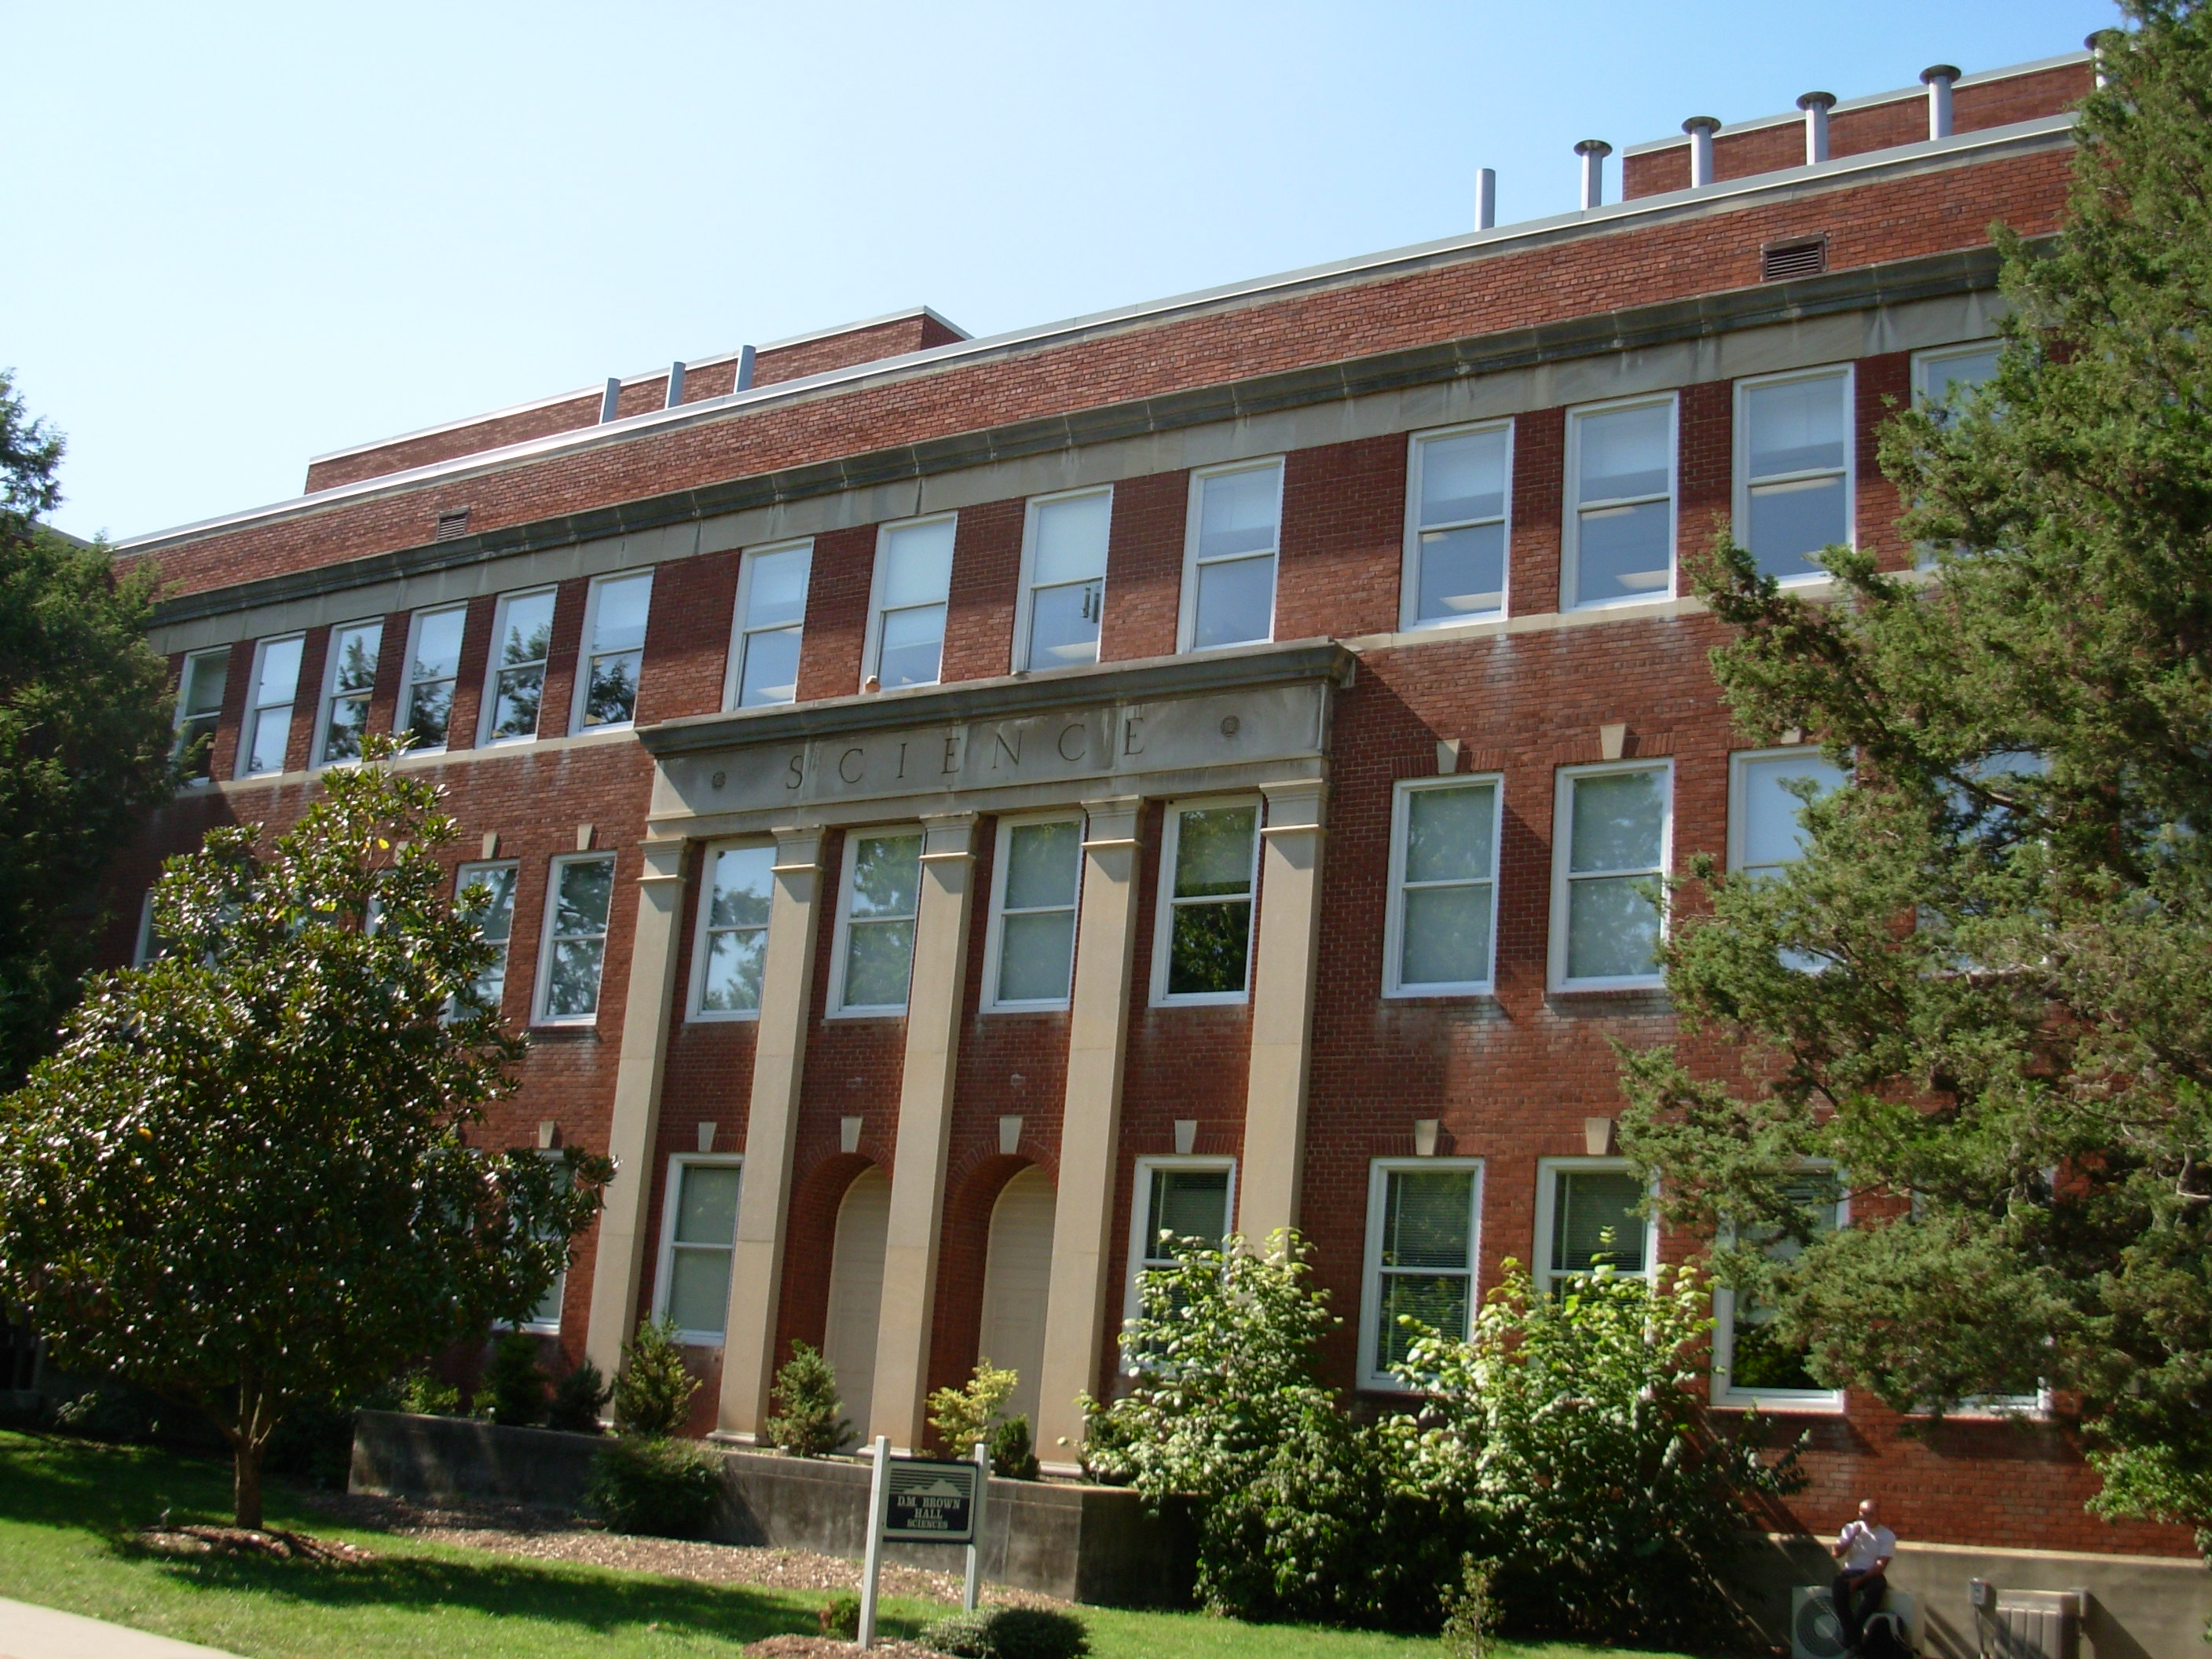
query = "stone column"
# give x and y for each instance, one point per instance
(771, 1133)
(1282, 1010)
(619, 1264)
(934, 999)
(1089, 1127)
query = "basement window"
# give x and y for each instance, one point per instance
(1800, 256)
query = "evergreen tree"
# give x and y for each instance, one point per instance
(806, 1423)
(2006, 1048)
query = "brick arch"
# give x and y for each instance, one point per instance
(965, 1246)
(810, 1237)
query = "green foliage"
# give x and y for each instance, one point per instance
(1009, 1634)
(1566, 1429)
(514, 1386)
(1471, 1612)
(84, 737)
(843, 1616)
(244, 1180)
(2017, 962)
(424, 1395)
(652, 1391)
(807, 1423)
(656, 1486)
(965, 1415)
(1012, 1457)
(577, 1399)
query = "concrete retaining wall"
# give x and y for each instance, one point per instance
(1083, 1543)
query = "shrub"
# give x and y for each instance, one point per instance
(664, 1487)
(965, 1415)
(806, 1423)
(577, 1399)
(513, 1384)
(843, 1616)
(425, 1397)
(1009, 1634)
(652, 1391)
(1470, 1611)
(1012, 1457)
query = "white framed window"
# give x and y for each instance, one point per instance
(698, 1241)
(545, 1318)
(1188, 1197)
(1766, 833)
(1459, 504)
(1963, 368)
(199, 709)
(1063, 589)
(1439, 934)
(349, 682)
(871, 961)
(1751, 1366)
(1037, 876)
(1795, 462)
(268, 725)
(496, 928)
(770, 623)
(1611, 840)
(1234, 535)
(1619, 531)
(614, 651)
(1424, 1249)
(146, 946)
(434, 669)
(1209, 876)
(906, 607)
(521, 638)
(1587, 1216)
(578, 899)
(736, 892)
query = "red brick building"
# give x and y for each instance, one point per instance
(958, 805)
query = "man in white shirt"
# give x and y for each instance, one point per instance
(1865, 1546)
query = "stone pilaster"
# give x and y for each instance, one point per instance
(1284, 959)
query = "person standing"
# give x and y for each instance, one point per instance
(1865, 1546)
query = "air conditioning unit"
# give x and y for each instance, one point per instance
(1815, 1634)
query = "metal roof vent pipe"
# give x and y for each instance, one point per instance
(675, 385)
(609, 400)
(1816, 106)
(745, 370)
(1939, 77)
(2096, 42)
(1593, 152)
(1701, 129)
(1485, 198)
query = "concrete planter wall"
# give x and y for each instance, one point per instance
(1082, 1543)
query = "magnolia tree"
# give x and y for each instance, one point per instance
(247, 1176)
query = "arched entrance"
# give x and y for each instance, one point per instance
(856, 1293)
(1017, 1279)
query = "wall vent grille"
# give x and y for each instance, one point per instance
(1800, 256)
(451, 526)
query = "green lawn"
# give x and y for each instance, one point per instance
(69, 1511)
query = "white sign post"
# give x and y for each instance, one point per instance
(879, 1502)
(976, 1543)
(921, 1500)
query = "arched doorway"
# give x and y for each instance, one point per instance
(856, 1293)
(1017, 1281)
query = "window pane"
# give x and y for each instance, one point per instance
(272, 727)
(1071, 540)
(743, 887)
(1791, 521)
(1041, 861)
(355, 649)
(912, 643)
(699, 1290)
(1439, 1304)
(1236, 512)
(1210, 949)
(618, 615)
(548, 1310)
(1624, 452)
(1036, 955)
(611, 696)
(438, 645)
(202, 693)
(1235, 603)
(771, 671)
(498, 919)
(707, 1208)
(586, 887)
(1213, 850)
(528, 630)
(1771, 834)
(1463, 478)
(575, 991)
(1619, 820)
(918, 565)
(1064, 624)
(1447, 936)
(1427, 1218)
(1796, 426)
(1588, 1204)
(734, 959)
(886, 875)
(1462, 572)
(1189, 1204)
(1613, 929)
(348, 720)
(878, 961)
(1966, 370)
(1623, 552)
(430, 714)
(1449, 832)
(775, 587)
(279, 679)
(516, 713)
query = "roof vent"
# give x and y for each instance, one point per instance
(1800, 256)
(451, 526)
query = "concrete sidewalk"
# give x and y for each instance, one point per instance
(29, 1632)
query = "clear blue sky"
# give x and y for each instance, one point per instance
(242, 234)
